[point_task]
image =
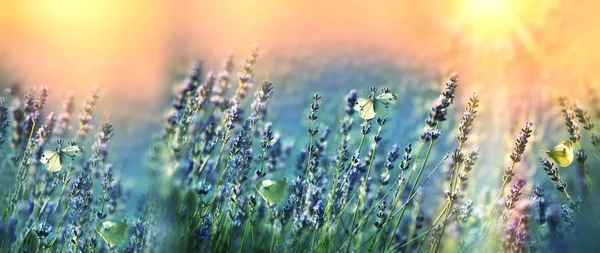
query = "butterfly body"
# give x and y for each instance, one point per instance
(112, 232)
(373, 106)
(56, 159)
(562, 154)
(273, 191)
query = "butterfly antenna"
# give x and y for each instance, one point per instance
(127, 215)
(285, 175)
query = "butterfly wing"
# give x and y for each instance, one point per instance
(382, 107)
(47, 156)
(112, 232)
(260, 188)
(73, 151)
(70, 154)
(562, 154)
(360, 102)
(277, 191)
(52, 160)
(365, 108)
(389, 98)
(272, 191)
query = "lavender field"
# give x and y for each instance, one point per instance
(343, 145)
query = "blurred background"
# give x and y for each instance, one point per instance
(518, 54)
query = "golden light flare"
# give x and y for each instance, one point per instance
(126, 45)
(497, 25)
(488, 18)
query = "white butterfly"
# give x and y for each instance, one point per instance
(56, 159)
(368, 108)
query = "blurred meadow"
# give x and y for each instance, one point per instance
(243, 126)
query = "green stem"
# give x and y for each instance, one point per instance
(21, 176)
(432, 225)
(588, 180)
(328, 208)
(362, 189)
(310, 145)
(410, 194)
(412, 226)
(400, 192)
(272, 249)
(453, 191)
(222, 177)
(244, 237)
(364, 220)
(486, 228)
(394, 203)
(345, 205)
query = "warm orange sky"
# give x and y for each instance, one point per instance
(127, 46)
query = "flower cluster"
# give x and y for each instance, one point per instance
(439, 110)
(521, 142)
(86, 118)
(4, 121)
(464, 127)
(514, 194)
(570, 122)
(552, 171)
(64, 118)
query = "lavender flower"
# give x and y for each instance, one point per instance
(350, 101)
(100, 146)
(569, 116)
(86, 118)
(514, 194)
(261, 97)
(245, 76)
(521, 143)
(43, 134)
(64, 118)
(464, 127)
(389, 164)
(468, 164)
(43, 231)
(275, 152)
(265, 144)
(223, 86)
(381, 216)
(318, 215)
(406, 158)
(39, 103)
(23, 117)
(4, 121)
(430, 134)
(365, 128)
(439, 110)
(29, 105)
(239, 161)
(584, 117)
(312, 131)
(595, 139)
(552, 171)
(540, 204)
(568, 217)
(204, 91)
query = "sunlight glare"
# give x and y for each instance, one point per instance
(492, 19)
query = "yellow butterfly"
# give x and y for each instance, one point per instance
(56, 159)
(273, 191)
(372, 106)
(112, 232)
(562, 154)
